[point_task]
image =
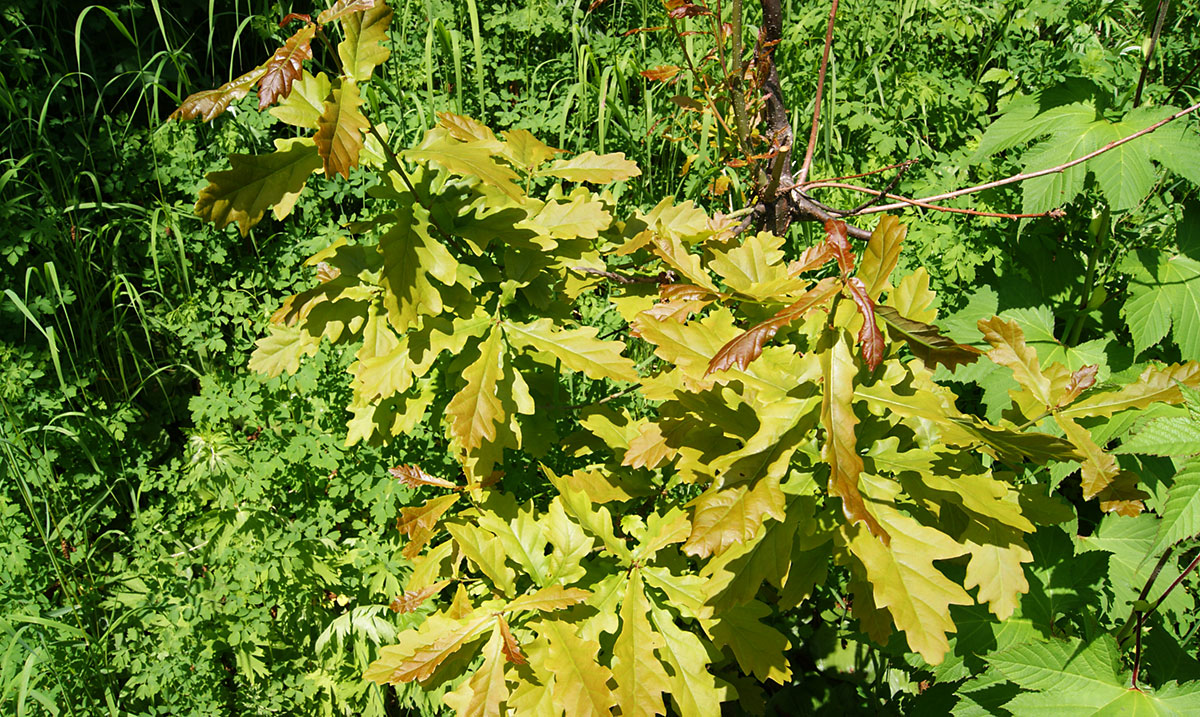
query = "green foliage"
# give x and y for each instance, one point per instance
(181, 536)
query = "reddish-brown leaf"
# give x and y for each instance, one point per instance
(925, 341)
(284, 67)
(412, 599)
(414, 477)
(342, 8)
(748, 345)
(210, 103)
(681, 10)
(837, 236)
(1081, 380)
(870, 338)
(662, 73)
(813, 257)
(684, 292)
(511, 649)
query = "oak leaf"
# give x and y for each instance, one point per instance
(256, 183)
(362, 50)
(284, 67)
(476, 409)
(340, 129)
(593, 168)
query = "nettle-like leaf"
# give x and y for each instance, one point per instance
(1067, 124)
(1165, 296)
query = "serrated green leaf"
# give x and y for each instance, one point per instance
(1181, 511)
(1166, 436)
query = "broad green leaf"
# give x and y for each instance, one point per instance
(476, 409)
(303, 107)
(759, 649)
(1147, 312)
(1181, 511)
(340, 129)
(284, 67)
(839, 448)
(256, 183)
(1070, 677)
(693, 689)
(470, 159)
(280, 350)
(1182, 275)
(881, 255)
(580, 682)
(639, 674)
(1129, 542)
(362, 50)
(578, 349)
(590, 167)
(1166, 436)
(904, 580)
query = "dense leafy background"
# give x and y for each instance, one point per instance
(179, 536)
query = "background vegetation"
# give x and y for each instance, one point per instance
(178, 535)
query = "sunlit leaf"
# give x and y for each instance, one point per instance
(284, 67)
(590, 167)
(362, 50)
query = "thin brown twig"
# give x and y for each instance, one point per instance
(1179, 86)
(883, 192)
(812, 136)
(1031, 175)
(907, 201)
(864, 174)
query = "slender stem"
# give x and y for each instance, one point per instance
(812, 135)
(687, 56)
(1101, 238)
(924, 204)
(1032, 175)
(1158, 23)
(1179, 85)
(1135, 615)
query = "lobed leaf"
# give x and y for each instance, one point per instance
(362, 50)
(926, 341)
(256, 183)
